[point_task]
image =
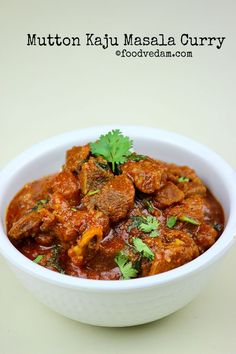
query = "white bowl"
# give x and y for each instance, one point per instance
(124, 302)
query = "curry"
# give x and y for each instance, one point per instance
(111, 214)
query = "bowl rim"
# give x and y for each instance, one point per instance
(14, 257)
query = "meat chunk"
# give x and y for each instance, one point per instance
(192, 207)
(44, 239)
(64, 229)
(77, 253)
(71, 223)
(67, 185)
(146, 174)
(205, 237)
(168, 195)
(115, 199)
(103, 259)
(174, 172)
(75, 157)
(94, 174)
(176, 249)
(32, 223)
(28, 198)
(109, 248)
(186, 180)
(191, 188)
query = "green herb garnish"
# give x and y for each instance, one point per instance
(136, 157)
(73, 209)
(136, 221)
(93, 192)
(171, 221)
(148, 204)
(218, 227)
(125, 266)
(53, 261)
(183, 179)
(150, 224)
(142, 248)
(147, 224)
(189, 220)
(38, 258)
(39, 204)
(154, 233)
(138, 263)
(114, 147)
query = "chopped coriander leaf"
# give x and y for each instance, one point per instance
(171, 221)
(137, 264)
(218, 227)
(73, 209)
(42, 201)
(154, 233)
(142, 248)
(136, 221)
(53, 261)
(147, 224)
(189, 220)
(150, 224)
(148, 204)
(93, 192)
(38, 258)
(113, 146)
(125, 266)
(39, 203)
(136, 157)
(183, 179)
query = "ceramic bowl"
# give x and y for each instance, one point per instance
(123, 302)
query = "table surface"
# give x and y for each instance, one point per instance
(45, 91)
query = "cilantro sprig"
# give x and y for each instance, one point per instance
(38, 258)
(218, 227)
(113, 146)
(182, 179)
(189, 220)
(137, 220)
(40, 203)
(147, 224)
(137, 157)
(125, 265)
(148, 204)
(171, 221)
(142, 248)
(150, 225)
(127, 269)
(54, 260)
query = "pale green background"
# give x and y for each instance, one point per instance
(46, 91)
